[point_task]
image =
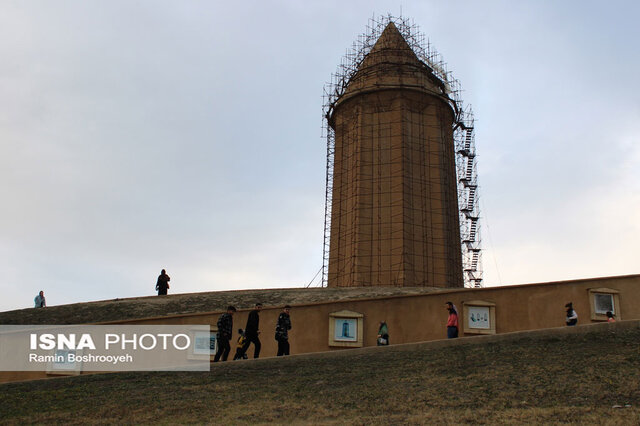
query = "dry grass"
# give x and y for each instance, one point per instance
(572, 379)
(176, 304)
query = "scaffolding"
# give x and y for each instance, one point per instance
(462, 133)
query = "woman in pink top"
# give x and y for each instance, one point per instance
(610, 317)
(452, 322)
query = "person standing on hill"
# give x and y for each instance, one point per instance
(252, 330)
(452, 321)
(572, 315)
(225, 329)
(40, 301)
(163, 283)
(282, 331)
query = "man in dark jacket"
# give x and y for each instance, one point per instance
(572, 315)
(282, 331)
(225, 328)
(252, 330)
(163, 283)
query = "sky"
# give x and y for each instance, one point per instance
(186, 135)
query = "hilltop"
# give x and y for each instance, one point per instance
(176, 304)
(565, 375)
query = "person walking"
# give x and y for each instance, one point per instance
(452, 321)
(163, 283)
(225, 329)
(40, 301)
(572, 315)
(239, 351)
(611, 317)
(252, 330)
(282, 331)
(383, 334)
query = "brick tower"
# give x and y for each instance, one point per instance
(394, 204)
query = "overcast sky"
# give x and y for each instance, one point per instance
(186, 135)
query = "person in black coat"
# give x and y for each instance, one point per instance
(572, 315)
(282, 331)
(163, 283)
(252, 330)
(225, 328)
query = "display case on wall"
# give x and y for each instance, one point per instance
(478, 317)
(346, 329)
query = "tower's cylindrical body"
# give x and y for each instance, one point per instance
(394, 214)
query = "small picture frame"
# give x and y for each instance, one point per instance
(204, 344)
(346, 329)
(63, 362)
(603, 300)
(479, 317)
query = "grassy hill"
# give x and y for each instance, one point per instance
(549, 376)
(176, 304)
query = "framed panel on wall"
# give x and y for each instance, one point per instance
(64, 362)
(603, 300)
(204, 344)
(346, 329)
(479, 317)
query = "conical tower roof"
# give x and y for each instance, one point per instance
(391, 47)
(392, 64)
